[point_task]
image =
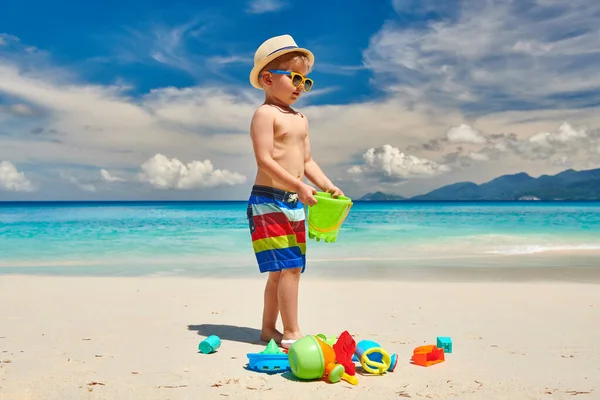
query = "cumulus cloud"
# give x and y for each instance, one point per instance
(566, 141)
(564, 134)
(108, 177)
(164, 173)
(189, 121)
(491, 55)
(12, 179)
(265, 6)
(105, 126)
(465, 134)
(558, 147)
(389, 163)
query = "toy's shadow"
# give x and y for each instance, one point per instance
(229, 332)
(269, 372)
(291, 377)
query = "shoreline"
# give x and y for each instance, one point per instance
(584, 268)
(508, 275)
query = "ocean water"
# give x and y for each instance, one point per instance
(212, 238)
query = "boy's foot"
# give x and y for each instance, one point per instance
(267, 334)
(289, 338)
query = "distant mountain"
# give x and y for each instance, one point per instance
(567, 185)
(380, 196)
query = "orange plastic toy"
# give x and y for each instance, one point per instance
(428, 355)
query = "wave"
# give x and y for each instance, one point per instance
(533, 249)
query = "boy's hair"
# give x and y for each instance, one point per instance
(287, 60)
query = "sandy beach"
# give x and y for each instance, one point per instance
(137, 338)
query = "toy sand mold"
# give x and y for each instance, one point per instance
(327, 216)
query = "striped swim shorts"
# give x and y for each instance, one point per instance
(276, 220)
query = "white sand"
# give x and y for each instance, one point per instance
(137, 338)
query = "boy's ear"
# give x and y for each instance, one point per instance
(266, 79)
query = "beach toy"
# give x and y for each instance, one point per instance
(444, 342)
(344, 349)
(426, 356)
(271, 359)
(311, 358)
(326, 217)
(373, 358)
(210, 344)
(330, 341)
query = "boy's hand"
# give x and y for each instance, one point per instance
(335, 191)
(306, 194)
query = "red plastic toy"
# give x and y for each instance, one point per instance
(344, 349)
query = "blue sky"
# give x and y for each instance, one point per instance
(151, 100)
(186, 43)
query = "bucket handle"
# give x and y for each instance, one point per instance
(348, 207)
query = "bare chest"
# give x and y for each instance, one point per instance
(290, 128)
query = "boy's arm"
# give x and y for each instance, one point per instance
(262, 134)
(314, 173)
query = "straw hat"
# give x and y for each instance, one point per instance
(269, 50)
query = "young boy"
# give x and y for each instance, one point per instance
(276, 205)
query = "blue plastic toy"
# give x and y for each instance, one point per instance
(444, 342)
(377, 356)
(210, 344)
(271, 359)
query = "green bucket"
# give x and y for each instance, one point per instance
(326, 217)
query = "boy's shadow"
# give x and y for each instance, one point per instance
(229, 332)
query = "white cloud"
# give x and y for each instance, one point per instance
(564, 134)
(493, 55)
(562, 161)
(464, 134)
(264, 6)
(479, 156)
(12, 179)
(390, 163)
(108, 177)
(107, 128)
(176, 46)
(96, 124)
(86, 186)
(566, 145)
(163, 173)
(18, 109)
(5, 39)
(158, 43)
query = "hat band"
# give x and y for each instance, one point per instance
(283, 48)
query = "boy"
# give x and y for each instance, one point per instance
(276, 205)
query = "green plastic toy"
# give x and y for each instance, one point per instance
(327, 216)
(329, 340)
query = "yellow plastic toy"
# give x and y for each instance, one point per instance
(374, 359)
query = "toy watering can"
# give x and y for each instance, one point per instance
(311, 358)
(373, 358)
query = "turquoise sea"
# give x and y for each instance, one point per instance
(378, 239)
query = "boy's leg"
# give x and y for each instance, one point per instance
(271, 309)
(288, 302)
